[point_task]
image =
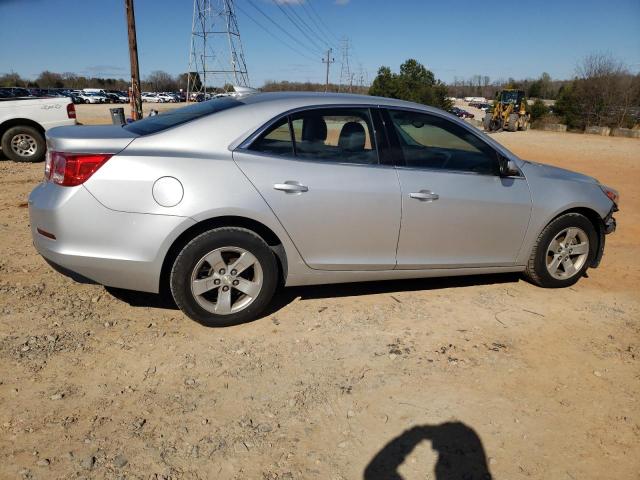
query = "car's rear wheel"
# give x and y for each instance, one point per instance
(563, 252)
(23, 144)
(223, 277)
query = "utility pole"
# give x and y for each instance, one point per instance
(134, 96)
(328, 61)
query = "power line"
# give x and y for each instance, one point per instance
(322, 38)
(295, 24)
(321, 20)
(318, 27)
(279, 39)
(277, 25)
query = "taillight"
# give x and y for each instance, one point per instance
(47, 165)
(71, 110)
(71, 169)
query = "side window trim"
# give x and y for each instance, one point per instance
(395, 141)
(395, 152)
(293, 137)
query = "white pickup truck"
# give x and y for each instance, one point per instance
(23, 122)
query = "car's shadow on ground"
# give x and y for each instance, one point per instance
(285, 296)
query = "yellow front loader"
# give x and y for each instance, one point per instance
(510, 112)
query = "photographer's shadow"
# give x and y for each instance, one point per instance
(461, 455)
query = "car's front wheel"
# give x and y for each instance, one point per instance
(563, 252)
(223, 277)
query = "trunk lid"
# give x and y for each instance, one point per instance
(89, 139)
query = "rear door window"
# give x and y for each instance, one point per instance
(340, 135)
(276, 140)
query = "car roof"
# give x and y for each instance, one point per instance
(289, 100)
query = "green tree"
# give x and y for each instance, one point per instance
(11, 80)
(49, 79)
(414, 83)
(567, 106)
(538, 110)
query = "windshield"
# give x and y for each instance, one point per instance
(509, 97)
(166, 120)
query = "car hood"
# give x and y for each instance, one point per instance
(549, 171)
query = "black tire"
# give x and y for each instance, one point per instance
(187, 260)
(486, 122)
(537, 272)
(524, 125)
(512, 125)
(31, 132)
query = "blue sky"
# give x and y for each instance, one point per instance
(452, 38)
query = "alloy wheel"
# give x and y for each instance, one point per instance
(567, 253)
(226, 280)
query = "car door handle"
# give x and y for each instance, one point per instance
(424, 195)
(291, 186)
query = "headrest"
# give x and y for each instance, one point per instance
(314, 129)
(352, 137)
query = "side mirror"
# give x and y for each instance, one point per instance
(507, 167)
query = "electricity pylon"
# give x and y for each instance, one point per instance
(216, 57)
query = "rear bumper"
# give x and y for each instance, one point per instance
(93, 243)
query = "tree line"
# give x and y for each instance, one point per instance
(157, 81)
(603, 91)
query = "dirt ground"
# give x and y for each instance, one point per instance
(337, 382)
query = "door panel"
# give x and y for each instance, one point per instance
(456, 210)
(339, 216)
(476, 220)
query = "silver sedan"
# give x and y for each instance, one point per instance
(223, 201)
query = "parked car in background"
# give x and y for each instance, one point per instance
(461, 113)
(151, 97)
(24, 121)
(37, 92)
(168, 97)
(123, 97)
(73, 96)
(218, 202)
(15, 92)
(485, 106)
(90, 97)
(111, 97)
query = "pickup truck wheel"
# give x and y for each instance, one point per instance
(223, 277)
(563, 252)
(23, 144)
